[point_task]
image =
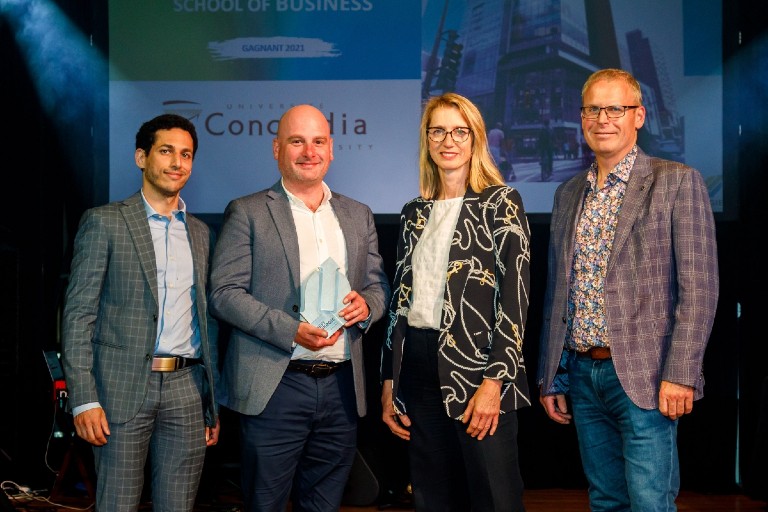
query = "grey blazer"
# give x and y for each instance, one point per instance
(110, 318)
(255, 288)
(661, 286)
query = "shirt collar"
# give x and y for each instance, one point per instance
(619, 173)
(180, 213)
(327, 195)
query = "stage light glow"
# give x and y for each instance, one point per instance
(64, 66)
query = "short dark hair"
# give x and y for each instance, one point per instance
(145, 137)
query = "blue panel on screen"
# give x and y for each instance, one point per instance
(702, 37)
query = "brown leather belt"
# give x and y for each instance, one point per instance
(317, 369)
(596, 353)
(173, 363)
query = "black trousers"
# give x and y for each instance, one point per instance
(450, 470)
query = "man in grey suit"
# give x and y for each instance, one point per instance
(298, 388)
(139, 347)
(631, 295)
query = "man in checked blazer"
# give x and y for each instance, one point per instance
(298, 388)
(139, 348)
(631, 297)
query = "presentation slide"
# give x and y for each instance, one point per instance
(234, 66)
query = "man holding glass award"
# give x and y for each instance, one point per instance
(298, 275)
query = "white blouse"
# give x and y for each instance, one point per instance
(430, 264)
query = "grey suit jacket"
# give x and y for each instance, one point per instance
(255, 287)
(110, 318)
(661, 285)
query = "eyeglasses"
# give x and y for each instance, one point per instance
(439, 134)
(612, 111)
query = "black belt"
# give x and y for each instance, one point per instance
(173, 363)
(317, 369)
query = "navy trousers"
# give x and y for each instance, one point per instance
(301, 447)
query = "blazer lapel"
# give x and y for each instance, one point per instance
(351, 237)
(197, 242)
(470, 210)
(638, 188)
(280, 210)
(571, 212)
(136, 221)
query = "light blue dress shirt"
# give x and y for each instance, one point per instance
(178, 331)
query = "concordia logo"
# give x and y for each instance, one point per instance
(217, 125)
(189, 109)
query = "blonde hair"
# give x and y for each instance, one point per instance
(611, 74)
(482, 169)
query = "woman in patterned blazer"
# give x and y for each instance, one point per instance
(452, 365)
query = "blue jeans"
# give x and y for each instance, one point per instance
(629, 454)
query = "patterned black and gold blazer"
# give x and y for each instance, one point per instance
(485, 302)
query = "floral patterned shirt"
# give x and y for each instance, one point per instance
(594, 240)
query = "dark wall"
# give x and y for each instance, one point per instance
(31, 262)
(748, 65)
(48, 180)
(722, 444)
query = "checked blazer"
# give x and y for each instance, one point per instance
(110, 320)
(485, 302)
(661, 284)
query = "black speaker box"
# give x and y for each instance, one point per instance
(362, 487)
